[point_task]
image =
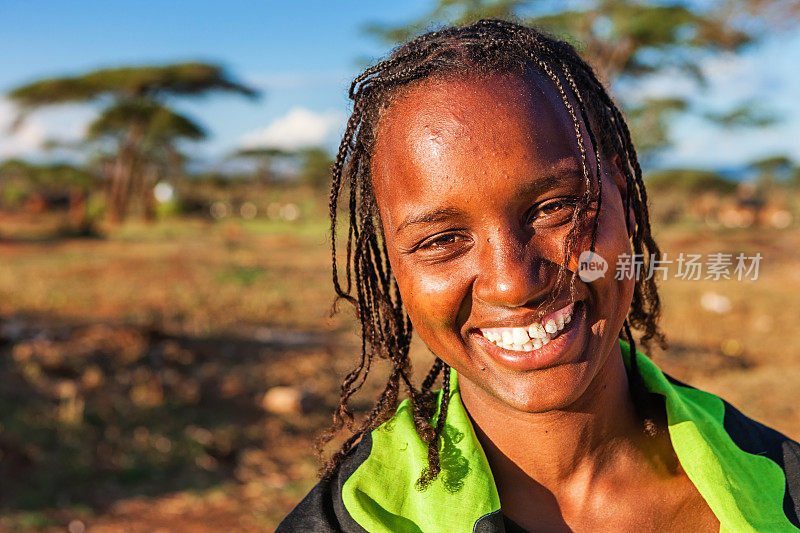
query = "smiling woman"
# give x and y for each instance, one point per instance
(481, 162)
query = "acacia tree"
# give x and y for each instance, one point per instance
(312, 164)
(131, 99)
(264, 158)
(627, 40)
(156, 156)
(315, 166)
(773, 170)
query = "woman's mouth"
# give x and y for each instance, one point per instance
(537, 345)
(533, 336)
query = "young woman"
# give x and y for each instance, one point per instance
(478, 164)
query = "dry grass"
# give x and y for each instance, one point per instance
(189, 322)
(751, 354)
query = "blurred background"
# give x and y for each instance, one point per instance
(167, 354)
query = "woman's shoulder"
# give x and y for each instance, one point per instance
(748, 434)
(757, 438)
(728, 455)
(684, 402)
(375, 487)
(323, 509)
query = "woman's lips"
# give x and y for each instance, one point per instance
(552, 348)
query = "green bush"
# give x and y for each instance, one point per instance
(13, 196)
(169, 209)
(689, 181)
(96, 206)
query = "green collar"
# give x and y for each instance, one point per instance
(380, 495)
(744, 491)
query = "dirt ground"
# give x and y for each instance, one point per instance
(173, 377)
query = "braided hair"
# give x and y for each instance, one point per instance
(368, 282)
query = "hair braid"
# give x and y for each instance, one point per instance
(434, 467)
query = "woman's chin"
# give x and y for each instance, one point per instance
(557, 388)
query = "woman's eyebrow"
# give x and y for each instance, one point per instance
(565, 172)
(434, 215)
(558, 179)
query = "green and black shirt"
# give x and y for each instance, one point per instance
(748, 473)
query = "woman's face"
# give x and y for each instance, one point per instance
(476, 180)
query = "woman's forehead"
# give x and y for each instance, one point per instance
(462, 95)
(457, 127)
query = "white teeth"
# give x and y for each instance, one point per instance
(531, 338)
(545, 340)
(520, 336)
(508, 337)
(537, 331)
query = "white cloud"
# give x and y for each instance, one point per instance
(702, 144)
(768, 80)
(27, 138)
(60, 123)
(765, 77)
(299, 128)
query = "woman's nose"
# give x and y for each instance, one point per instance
(511, 273)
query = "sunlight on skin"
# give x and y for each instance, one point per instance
(475, 223)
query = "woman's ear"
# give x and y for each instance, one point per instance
(615, 170)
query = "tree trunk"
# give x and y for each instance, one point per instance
(114, 214)
(123, 175)
(78, 212)
(147, 197)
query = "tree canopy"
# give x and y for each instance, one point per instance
(627, 40)
(129, 83)
(134, 118)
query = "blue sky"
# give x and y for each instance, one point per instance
(302, 55)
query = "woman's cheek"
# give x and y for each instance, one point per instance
(433, 299)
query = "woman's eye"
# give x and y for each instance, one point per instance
(440, 241)
(443, 247)
(555, 209)
(551, 208)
